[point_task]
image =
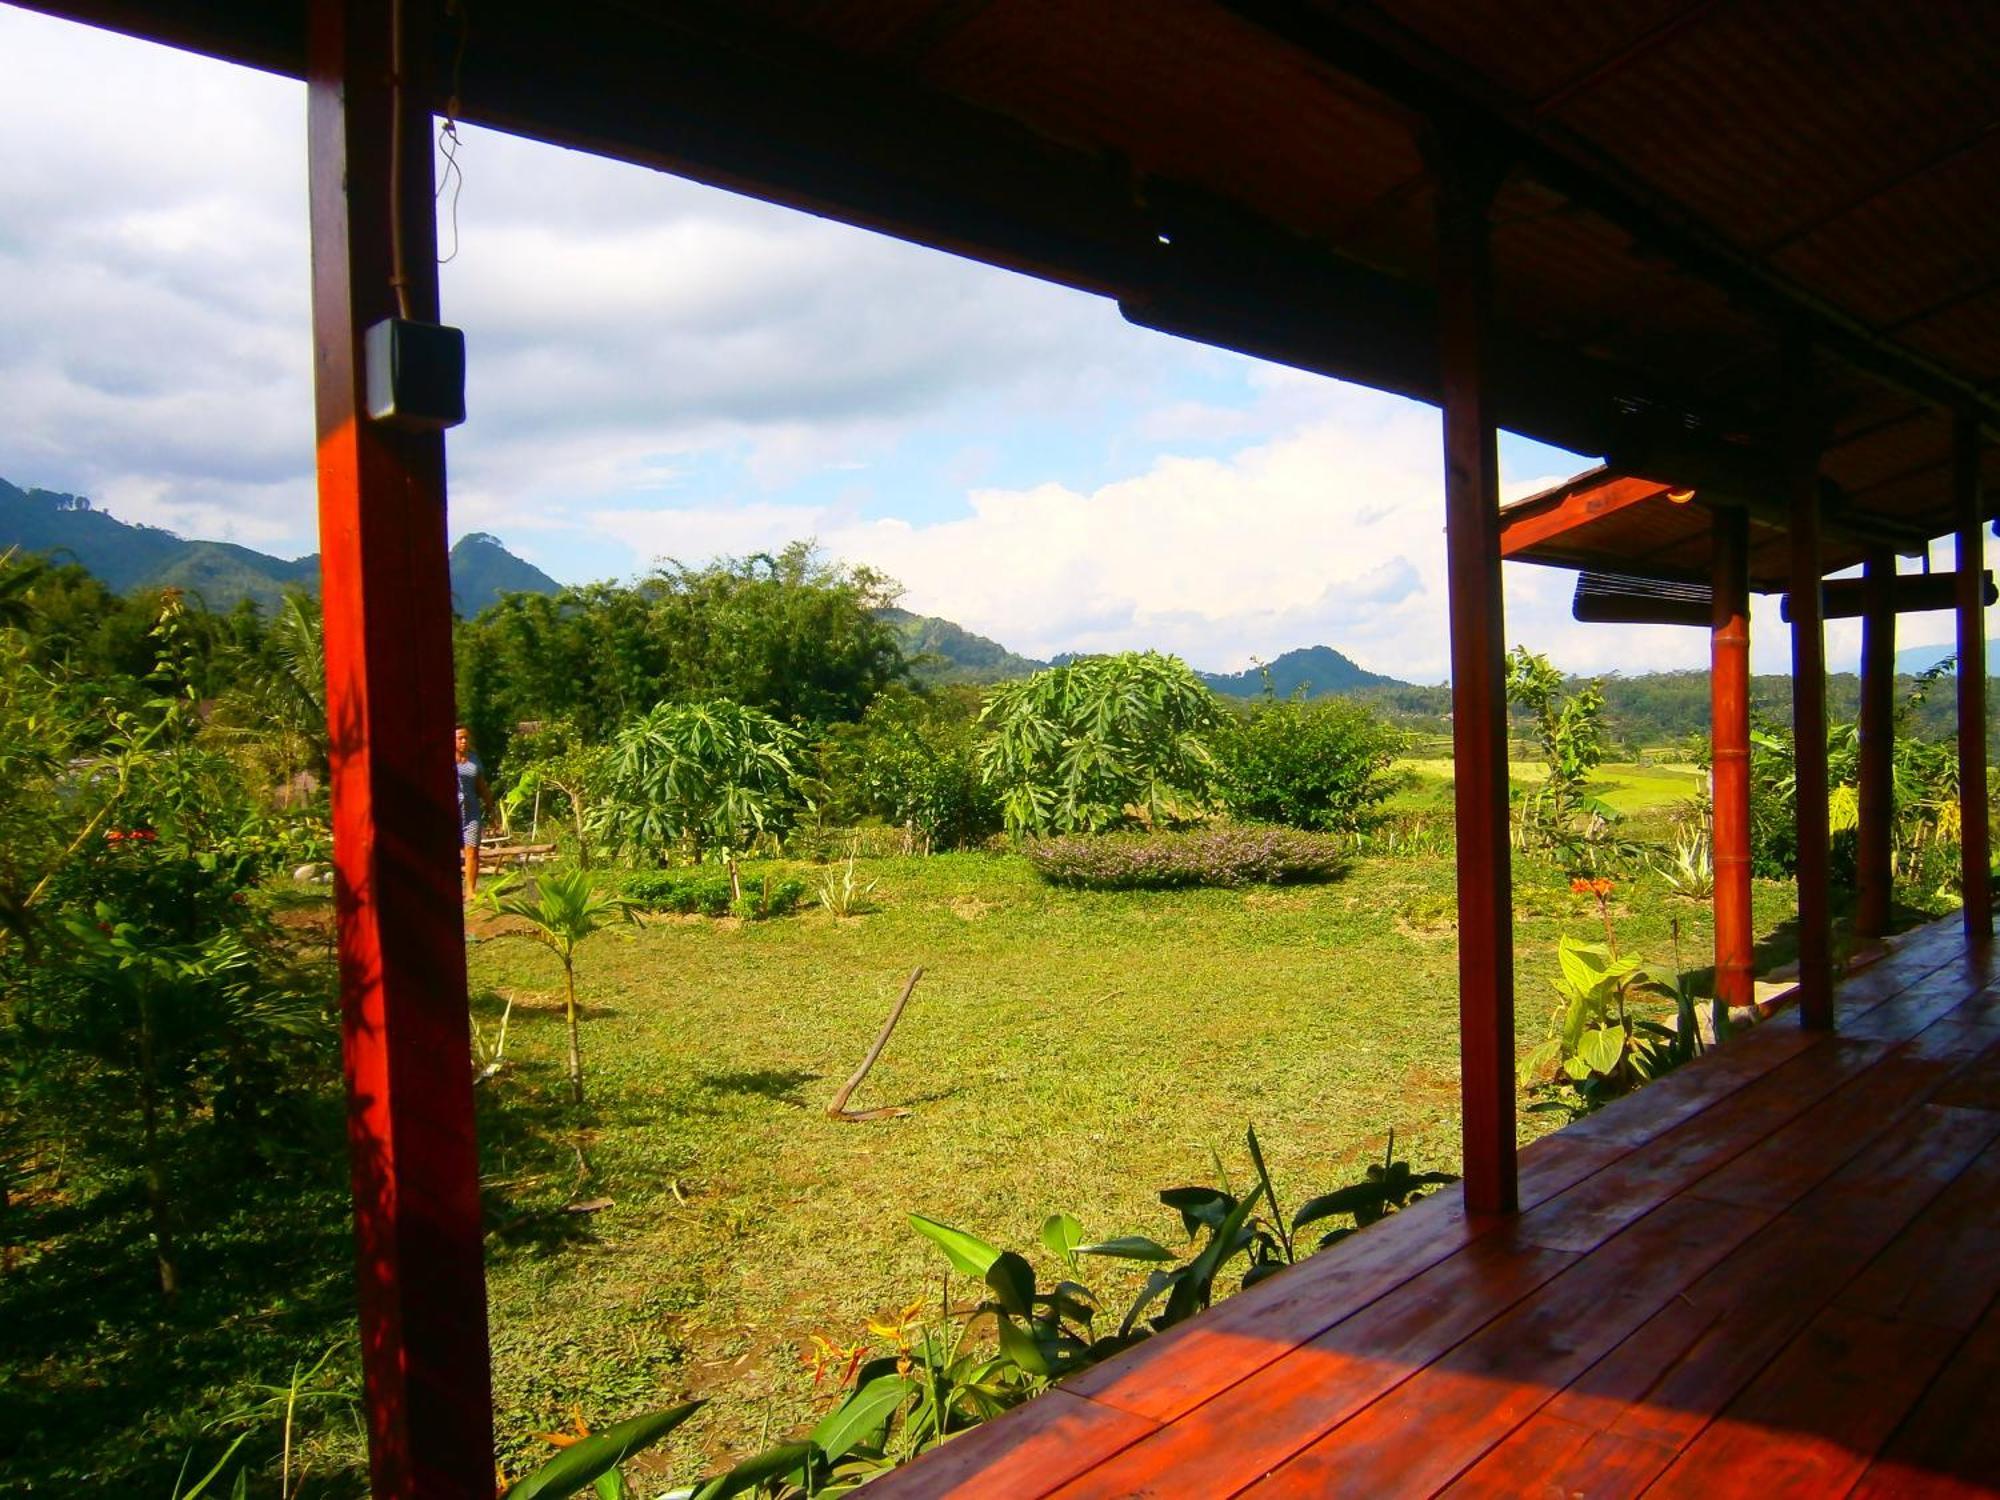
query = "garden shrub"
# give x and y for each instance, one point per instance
(1225, 856)
(706, 893)
(912, 761)
(1324, 765)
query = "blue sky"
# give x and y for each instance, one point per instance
(659, 369)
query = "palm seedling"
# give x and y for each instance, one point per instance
(567, 907)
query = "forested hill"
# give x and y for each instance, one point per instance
(127, 557)
(1313, 670)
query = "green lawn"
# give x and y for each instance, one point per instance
(1065, 1050)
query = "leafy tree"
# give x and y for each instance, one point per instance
(706, 777)
(913, 761)
(555, 769)
(1569, 724)
(1324, 765)
(801, 639)
(1102, 742)
(145, 993)
(566, 908)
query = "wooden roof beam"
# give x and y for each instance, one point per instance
(1371, 48)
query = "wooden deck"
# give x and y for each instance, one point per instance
(1771, 1273)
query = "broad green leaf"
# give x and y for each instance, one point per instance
(861, 1416)
(1013, 1282)
(968, 1254)
(1129, 1247)
(1061, 1235)
(1601, 1048)
(1580, 968)
(1019, 1345)
(753, 1471)
(581, 1462)
(1347, 1200)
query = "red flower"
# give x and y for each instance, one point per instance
(113, 835)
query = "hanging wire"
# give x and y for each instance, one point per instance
(448, 140)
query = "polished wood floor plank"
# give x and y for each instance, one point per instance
(1052, 1438)
(1770, 1274)
(1425, 1432)
(1260, 1422)
(1810, 1425)
(1949, 1444)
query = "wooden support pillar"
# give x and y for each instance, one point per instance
(1873, 873)
(386, 595)
(1808, 691)
(1729, 726)
(1974, 837)
(1478, 687)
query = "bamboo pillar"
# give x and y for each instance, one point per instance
(1974, 839)
(1729, 725)
(1873, 874)
(1808, 691)
(1478, 695)
(387, 600)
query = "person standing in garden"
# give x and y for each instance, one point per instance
(475, 804)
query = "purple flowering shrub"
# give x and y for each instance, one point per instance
(1229, 855)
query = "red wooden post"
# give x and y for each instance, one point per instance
(1808, 691)
(1478, 696)
(1974, 838)
(386, 595)
(1873, 876)
(1729, 728)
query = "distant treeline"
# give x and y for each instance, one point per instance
(1664, 709)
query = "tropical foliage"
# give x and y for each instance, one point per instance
(564, 908)
(1326, 765)
(698, 778)
(1104, 742)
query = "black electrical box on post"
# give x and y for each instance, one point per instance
(416, 374)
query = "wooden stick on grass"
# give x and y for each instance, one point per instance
(838, 1110)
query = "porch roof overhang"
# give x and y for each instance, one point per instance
(1687, 182)
(1628, 526)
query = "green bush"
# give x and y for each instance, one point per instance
(1325, 765)
(1207, 856)
(913, 762)
(705, 893)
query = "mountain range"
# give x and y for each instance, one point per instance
(127, 557)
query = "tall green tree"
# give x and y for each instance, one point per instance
(790, 634)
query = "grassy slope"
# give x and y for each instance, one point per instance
(1066, 1050)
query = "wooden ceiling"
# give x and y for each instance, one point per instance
(1689, 179)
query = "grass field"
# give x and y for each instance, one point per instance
(1624, 786)
(1065, 1050)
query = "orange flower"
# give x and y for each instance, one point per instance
(1580, 886)
(1600, 887)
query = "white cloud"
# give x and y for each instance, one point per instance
(1330, 533)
